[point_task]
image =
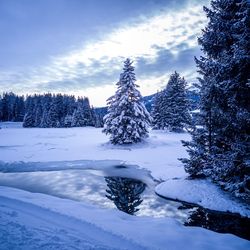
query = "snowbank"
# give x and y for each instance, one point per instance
(202, 193)
(80, 226)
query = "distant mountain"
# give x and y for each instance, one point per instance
(192, 96)
(101, 111)
(148, 101)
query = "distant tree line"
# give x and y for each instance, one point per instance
(49, 111)
(12, 107)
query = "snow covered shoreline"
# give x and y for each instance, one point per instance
(202, 193)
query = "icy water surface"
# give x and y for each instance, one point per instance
(131, 191)
(91, 186)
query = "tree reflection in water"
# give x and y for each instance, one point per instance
(221, 222)
(125, 193)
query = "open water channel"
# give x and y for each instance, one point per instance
(130, 190)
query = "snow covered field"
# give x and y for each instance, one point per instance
(38, 221)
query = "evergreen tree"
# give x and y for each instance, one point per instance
(58, 101)
(1, 109)
(28, 121)
(68, 121)
(125, 193)
(19, 109)
(29, 118)
(177, 116)
(171, 106)
(5, 108)
(38, 111)
(220, 149)
(88, 112)
(53, 118)
(9, 107)
(78, 119)
(46, 103)
(157, 111)
(69, 103)
(127, 119)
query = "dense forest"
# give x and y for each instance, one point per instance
(49, 110)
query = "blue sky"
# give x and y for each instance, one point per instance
(78, 46)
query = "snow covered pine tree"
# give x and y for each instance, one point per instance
(177, 114)
(29, 118)
(78, 119)
(220, 148)
(171, 106)
(127, 120)
(157, 110)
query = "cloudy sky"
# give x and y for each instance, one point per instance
(78, 46)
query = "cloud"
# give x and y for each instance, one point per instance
(158, 45)
(167, 62)
(154, 76)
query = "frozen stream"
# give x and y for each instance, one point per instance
(90, 185)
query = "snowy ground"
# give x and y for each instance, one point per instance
(39, 221)
(158, 154)
(203, 193)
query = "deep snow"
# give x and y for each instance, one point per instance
(77, 148)
(38, 221)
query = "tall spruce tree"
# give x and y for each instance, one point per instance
(5, 107)
(69, 107)
(88, 112)
(158, 121)
(127, 120)
(38, 111)
(1, 108)
(78, 119)
(176, 110)
(19, 110)
(29, 118)
(46, 103)
(220, 148)
(11, 107)
(53, 118)
(171, 106)
(68, 121)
